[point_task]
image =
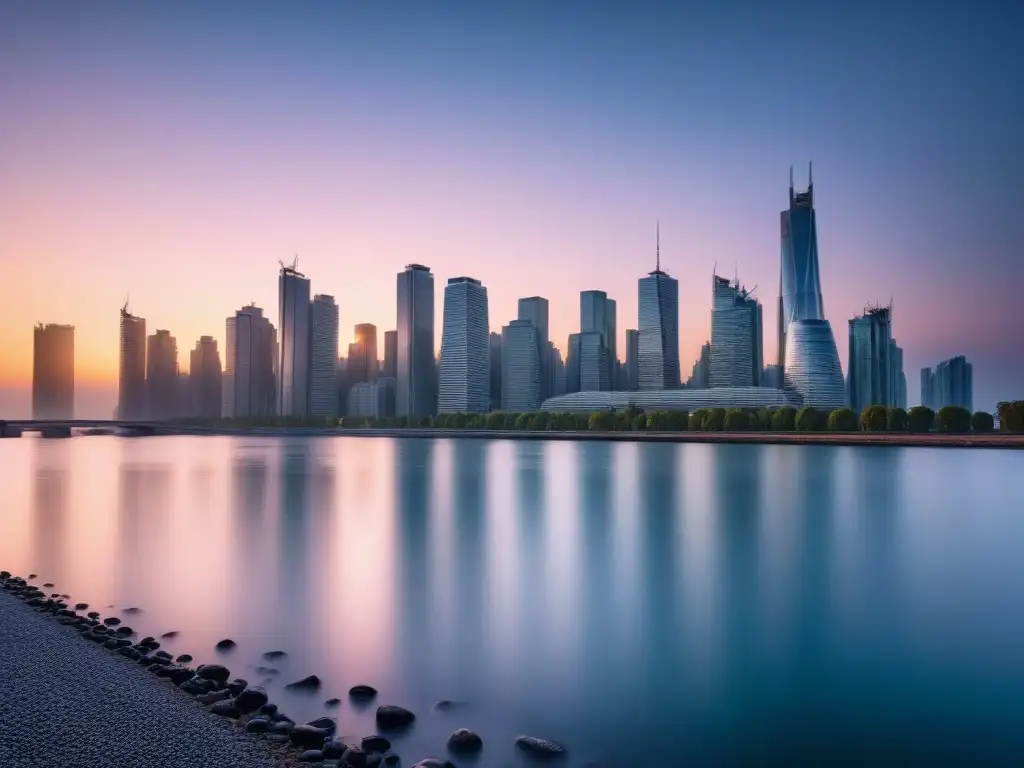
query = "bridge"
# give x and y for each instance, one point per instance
(63, 428)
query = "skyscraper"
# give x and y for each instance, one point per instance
(205, 379)
(869, 375)
(390, 354)
(700, 374)
(899, 378)
(323, 388)
(632, 359)
(250, 366)
(464, 367)
(494, 342)
(658, 341)
(535, 310)
(807, 347)
(161, 376)
(131, 384)
(416, 394)
(736, 337)
(951, 383)
(597, 315)
(520, 367)
(53, 372)
(294, 345)
(362, 364)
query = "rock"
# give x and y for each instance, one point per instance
(465, 741)
(392, 760)
(111, 644)
(258, 725)
(390, 717)
(354, 757)
(237, 685)
(324, 722)
(333, 750)
(213, 697)
(194, 687)
(311, 756)
(93, 614)
(434, 762)
(125, 631)
(169, 635)
(375, 744)
(131, 653)
(184, 658)
(112, 621)
(267, 670)
(310, 683)
(132, 611)
(163, 655)
(225, 708)
(332, 703)
(539, 747)
(32, 576)
(150, 641)
(225, 645)
(283, 726)
(308, 736)
(362, 692)
(271, 655)
(180, 675)
(250, 699)
(81, 606)
(215, 672)
(48, 585)
(269, 709)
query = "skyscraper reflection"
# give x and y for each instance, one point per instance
(143, 526)
(51, 488)
(294, 535)
(249, 542)
(597, 575)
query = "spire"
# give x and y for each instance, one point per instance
(657, 247)
(810, 174)
(791, 177)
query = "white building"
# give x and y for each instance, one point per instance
(674, 399)
(464, 368)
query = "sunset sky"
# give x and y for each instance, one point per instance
(176, 151)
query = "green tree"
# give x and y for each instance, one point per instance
(1011, 416)
(873, 418)
(920, 418)
(842, 420)
(640, 422)
(808, 420)
(953, 419)
(601, 421)
(677, 421)
(522, 422)
(582, 420)
(896, 420)
(714, 420)
(784, 419)
(540, 421)
(736, 420)
(763, 419)
(623, 421)
(695, 421)
(495, 420)
(982, 421)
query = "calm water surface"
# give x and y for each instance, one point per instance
(643, 604)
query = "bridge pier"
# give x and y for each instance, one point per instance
(8, 431)
(55, 432)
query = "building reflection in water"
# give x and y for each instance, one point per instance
(249, 543)
(51, 489)
(293, 539)
(144, 555)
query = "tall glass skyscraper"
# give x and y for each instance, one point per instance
(736, 336)
(416, 394)
(161, 376)
(53, 372)
(131, 384)
(658, 341)
(807, 347)
(294, 329)
(250, 365)
(951, 383)
(535, 310)
(520, 367)
(323, 385)
(632, 359)
(597, 315)
(464, 376)
(205, 379)
(869, 367)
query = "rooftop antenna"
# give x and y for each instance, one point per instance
(657, 247)
(791, 177)
(810, 174)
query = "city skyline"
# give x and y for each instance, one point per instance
(542, 190)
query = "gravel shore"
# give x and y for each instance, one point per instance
(69, 702)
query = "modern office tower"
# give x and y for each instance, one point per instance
(658, 341)
(372, 399)
(362, 364)
(161, 376)
(294, 344)
(323, 359)
(700, 375)
(558, 372)
(464, 371)
(594, 373)
(494, 344)
(520, 367)
(632, 359)
(250, 366)
(736, 341)
(572, 364)
(183, 396)
(869, 375)
(205, 379)
(771, 376)
(812, 367)
(951, 383)
(53, 372)
(535, 310)
(390, 354)
(416, 395)
(899, 378)
(597, 315)
(131, 384)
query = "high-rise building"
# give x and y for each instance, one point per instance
(53, 372)
(390, 354)
(590, 363)
(771, 376)
(323, 361)
(416, 394)
(131, 384)
(250, 366)
(632, 359)
(700, 374)
(464, 368)
(899, 378)
(294, 345)
(736, 340)
(161, 376)
(535, 310)
(520, 367)
(951, 383)
(205, 379)
(658, 341)
(869, 374)
(494, 344)
(558, 372)
(808, 353)
(597, 315)
(362, 364)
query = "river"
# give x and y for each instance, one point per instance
(644, 604)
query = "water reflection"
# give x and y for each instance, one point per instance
(294, 538)
(51, 488)
(144, 503)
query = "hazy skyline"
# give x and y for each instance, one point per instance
(176, 153)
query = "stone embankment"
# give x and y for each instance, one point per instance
(79, 689)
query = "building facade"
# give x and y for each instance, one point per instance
(674, 399)
(464, 370)
(205, 379)
(416, 394)
(951, 383)
(362, 363)
(736, 336)
(597, 315)
(700, 375)
(53, 372)
(323, 361)
(535, 310)
(131, 383)
(632, 359)
(294, 343)
(658, 327)
(494, 350)
(520, 367)
(390, 354)
(870, 375)
(161, 376)
(899, 379)
(812, 367)
(250, 366)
